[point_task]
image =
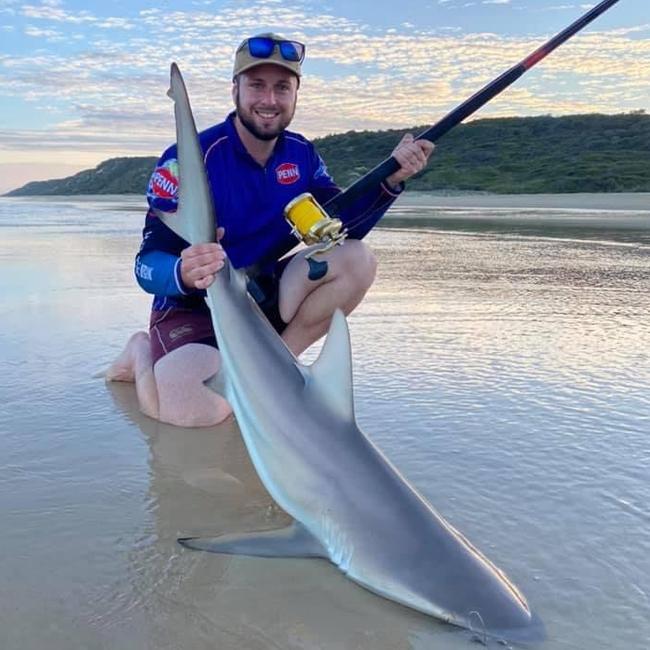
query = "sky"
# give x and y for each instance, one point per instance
(81, 82)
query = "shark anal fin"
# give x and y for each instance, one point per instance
(293, 541)
(217, 383)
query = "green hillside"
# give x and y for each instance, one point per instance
(577, 153)
(113, 176)
(583, 153)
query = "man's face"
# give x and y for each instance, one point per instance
(265, 98)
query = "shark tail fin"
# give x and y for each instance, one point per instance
(194, 219)
(176, 222)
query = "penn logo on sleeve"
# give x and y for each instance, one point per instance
(287, 173)
(164, 181)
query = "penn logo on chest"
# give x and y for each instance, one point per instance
(287, 173)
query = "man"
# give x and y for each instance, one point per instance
(255, 167)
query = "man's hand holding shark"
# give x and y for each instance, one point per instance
(201, 262)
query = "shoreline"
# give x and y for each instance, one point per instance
(411, 200)
(637, 201)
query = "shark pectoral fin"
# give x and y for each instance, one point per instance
(293, 541)
(331, 374)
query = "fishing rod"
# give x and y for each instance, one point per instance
(389, 166)
(313, 223)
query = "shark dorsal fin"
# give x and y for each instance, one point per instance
(238, 279)
(331, 374)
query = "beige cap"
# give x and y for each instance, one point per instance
(245, 61)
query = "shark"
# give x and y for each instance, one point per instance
(349, 504)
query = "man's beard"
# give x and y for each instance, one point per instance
(252, 128)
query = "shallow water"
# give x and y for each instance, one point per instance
(504, 371)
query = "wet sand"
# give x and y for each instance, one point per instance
(507, 377)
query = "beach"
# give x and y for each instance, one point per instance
(500, 362)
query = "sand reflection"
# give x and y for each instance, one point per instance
(203, 483)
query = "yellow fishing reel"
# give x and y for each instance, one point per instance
(310, 223)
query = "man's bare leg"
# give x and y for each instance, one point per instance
(308, 305)
(134, 365)
(173, 390)
(183, 397)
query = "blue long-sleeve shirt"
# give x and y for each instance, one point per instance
(249, 200)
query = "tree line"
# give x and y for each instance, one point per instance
(544, 154)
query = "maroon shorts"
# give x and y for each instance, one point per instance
(175, 326)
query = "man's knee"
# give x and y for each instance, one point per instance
(190, 404)
(352, 269)
(359, 263)
(184, 400)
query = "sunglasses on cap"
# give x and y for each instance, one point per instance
(261, 47)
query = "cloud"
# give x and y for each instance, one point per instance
(107, 81)
(53, 12)
(49, 34)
